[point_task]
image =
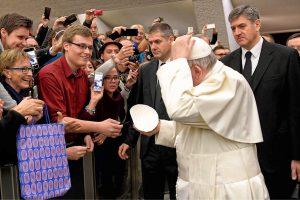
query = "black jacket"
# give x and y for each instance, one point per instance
(276, 85)
(9, 126)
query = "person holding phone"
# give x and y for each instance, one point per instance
(109, 168)
(91, 23)
(140, 42)
(59, 84)
(16, 73)
(214, 36)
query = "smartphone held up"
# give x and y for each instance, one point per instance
(70, 19)
(98, 81)
(47, 11)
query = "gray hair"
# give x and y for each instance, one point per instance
(251, 13)
(205, 63)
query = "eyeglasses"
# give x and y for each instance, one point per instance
(83, 46)
(112, 78)
(23, 69)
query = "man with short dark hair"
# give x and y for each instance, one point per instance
(294, 42)
(220, 51)
(14, 30)
(91, 23)
(158, 162)
(273, 72)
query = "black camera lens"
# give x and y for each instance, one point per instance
(133, 59)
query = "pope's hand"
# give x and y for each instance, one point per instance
(182, 47)
(150, 133)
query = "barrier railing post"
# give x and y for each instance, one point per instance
(9, 182)
(89, 176)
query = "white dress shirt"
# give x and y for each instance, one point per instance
(161, 62)
(255, 55)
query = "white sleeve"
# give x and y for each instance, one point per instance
(167, 133)
(106, 67)
(176, 87)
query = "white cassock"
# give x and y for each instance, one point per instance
(215, 128)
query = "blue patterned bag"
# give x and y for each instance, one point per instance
(42, 160)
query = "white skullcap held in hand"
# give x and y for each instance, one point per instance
(200, 49)
(144, 117)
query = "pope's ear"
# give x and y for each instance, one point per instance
(197, 69)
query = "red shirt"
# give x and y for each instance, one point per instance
(63, 90)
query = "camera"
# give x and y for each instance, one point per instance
(70, 19)
(127, 32)
(133, 58)
(98, 12)
(32, 56)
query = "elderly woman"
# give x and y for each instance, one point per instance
(110, 168)
(16, 73)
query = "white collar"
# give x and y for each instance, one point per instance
(255, 50)
(160, 62)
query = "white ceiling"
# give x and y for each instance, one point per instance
(277, 16)
(179, 15)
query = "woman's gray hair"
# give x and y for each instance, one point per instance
(205, 63)
(251, 13)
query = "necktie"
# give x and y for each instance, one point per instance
(247, 72)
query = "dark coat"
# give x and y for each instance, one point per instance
(276, 85)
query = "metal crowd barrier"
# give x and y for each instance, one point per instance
(9, 182)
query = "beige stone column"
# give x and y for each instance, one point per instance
(211, 12)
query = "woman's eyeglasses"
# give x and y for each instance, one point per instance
(83, 46)
(23, 69)
(112, 78)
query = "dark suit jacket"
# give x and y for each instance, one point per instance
(144, 93)
(276, 86)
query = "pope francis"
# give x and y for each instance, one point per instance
(215, 125)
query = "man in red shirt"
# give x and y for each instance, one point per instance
(63, 86)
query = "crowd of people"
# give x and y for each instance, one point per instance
(229, 121)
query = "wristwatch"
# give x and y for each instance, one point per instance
(90, 111)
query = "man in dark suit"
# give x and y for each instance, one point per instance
(158, 162)
(273, 73)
